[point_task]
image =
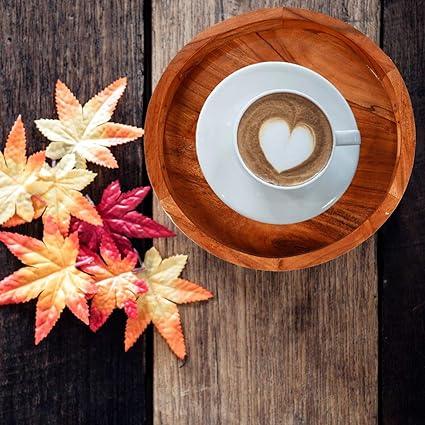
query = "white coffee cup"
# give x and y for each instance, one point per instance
(339, 138)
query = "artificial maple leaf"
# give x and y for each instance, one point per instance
(39, 207)
(59, 188)
(18, 179)
(116, 284)
(85, 130)
(120, 220)
(158, 305)
(51, 275)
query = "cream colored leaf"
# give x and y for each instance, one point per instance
(158, 305)
(99, 155)
(17, 176)
(55, 131)
(152, 260)
(59, 187)
(169, 269)
(57, 150)
(181, 291)
(67, 104)
(85, 130)
(166, 318)
(99, 109)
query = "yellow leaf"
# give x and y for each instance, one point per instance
(86, 130)
(51, 275)
(59, 187)
(17, 176)
(158, 305)
(39, 207)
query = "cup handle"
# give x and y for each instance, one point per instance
(347, 138)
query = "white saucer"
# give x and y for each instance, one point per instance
(226, 175)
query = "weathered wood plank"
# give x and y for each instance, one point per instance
(402, 239)
(289, 348)
(74, 376)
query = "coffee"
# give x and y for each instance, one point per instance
(284, 139)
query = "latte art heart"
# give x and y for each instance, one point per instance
(285, 149)
(284, 139)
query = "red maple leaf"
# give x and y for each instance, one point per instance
(120, 220)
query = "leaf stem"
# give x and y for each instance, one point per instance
(89, 199)
(87, 260)
(139, 259)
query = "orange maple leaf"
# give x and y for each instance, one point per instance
(117, 286)
(18, 179)
(86, 130)
(59, 187)
(51, 275)
(158, 305)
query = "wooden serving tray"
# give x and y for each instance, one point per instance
(365, 76)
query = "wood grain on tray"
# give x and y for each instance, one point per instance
(354, 64)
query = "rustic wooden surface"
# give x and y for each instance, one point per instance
(402, 239)
(289, 348)
(373, 88)
(72, 377)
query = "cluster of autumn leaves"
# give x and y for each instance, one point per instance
(85, 260)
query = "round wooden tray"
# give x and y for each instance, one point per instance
(365, 76)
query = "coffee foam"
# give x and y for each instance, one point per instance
(266, 157)
(285, 149)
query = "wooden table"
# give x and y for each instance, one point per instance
(341, 343)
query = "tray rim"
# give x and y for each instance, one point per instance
(174, 73)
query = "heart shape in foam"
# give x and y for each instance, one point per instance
(285, 149)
